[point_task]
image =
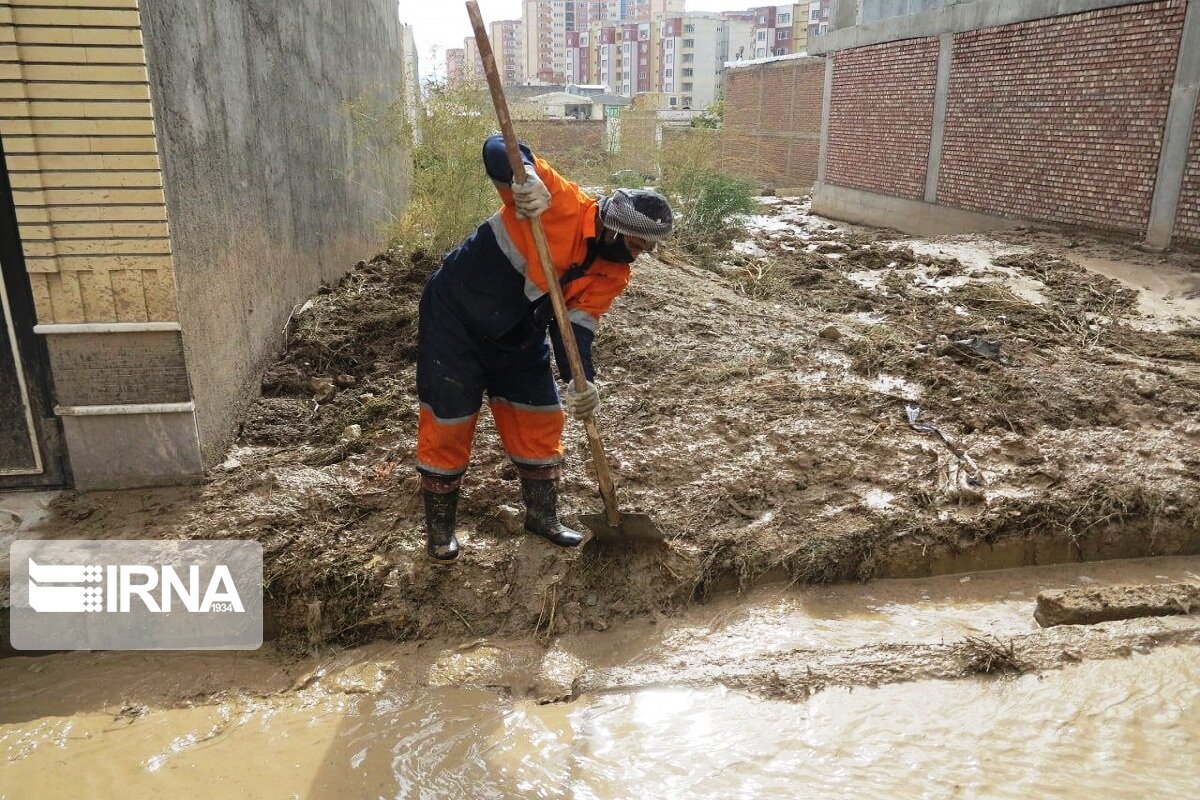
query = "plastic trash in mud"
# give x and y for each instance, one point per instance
(974, 347)
(974, 476)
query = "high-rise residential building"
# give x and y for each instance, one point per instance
(508, 46)
(694, 49)
(547, 24)
(455, 74)
(636, 58)
(651, 10)
(773, 29)
(579, 61)
(605, 54)
(472, 62)
(819, 13)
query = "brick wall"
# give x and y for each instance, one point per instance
(564, 142)
(80, 143)
(881, 117)
(1062, 119)
(772, 131)
(1187, 221)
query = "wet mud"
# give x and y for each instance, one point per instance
(758, 409)
(946, 686)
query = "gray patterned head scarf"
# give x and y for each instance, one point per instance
(637, 212)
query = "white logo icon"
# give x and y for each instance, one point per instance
(57, 599)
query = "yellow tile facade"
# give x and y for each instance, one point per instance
(78, 130)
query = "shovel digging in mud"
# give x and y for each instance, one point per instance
(612, 525)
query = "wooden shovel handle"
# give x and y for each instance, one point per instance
(608, 489)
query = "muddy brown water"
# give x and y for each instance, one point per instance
(452, 720)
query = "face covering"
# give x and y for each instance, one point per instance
(616, 251)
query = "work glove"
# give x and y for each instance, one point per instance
(531, 198)
(582, 404)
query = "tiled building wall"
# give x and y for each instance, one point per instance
(1062, 119)
(78, 130)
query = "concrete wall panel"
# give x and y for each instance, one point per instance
(1187, 224)
(271, 189)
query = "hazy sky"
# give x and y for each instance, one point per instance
(444, 23)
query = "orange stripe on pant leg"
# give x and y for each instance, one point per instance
(532, 436)
(443, 448)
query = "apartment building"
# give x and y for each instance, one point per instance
(579, 62)
(545, 26)
(455, 72)
(472, 62)
(820, 13)
(651, 10)
(548, 26)
(775, 28)
(605, 55)
(508, 46)
(636, 59)
(693, 50)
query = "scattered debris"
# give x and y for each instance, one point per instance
(988, 656)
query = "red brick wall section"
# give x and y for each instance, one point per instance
(1187, 222)
(1062, 119)
(567, 144)
(881, 117)
(772, 130)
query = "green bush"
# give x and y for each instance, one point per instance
(451, 193)
(709, 205)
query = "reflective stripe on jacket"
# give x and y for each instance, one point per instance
(494, 277)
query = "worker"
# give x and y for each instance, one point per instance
(484, 316)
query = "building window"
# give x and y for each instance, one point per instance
(670, 72)
(670, 58)
(784, 19)
(762, 36)
(814, 15)
(670, 44)
(674, 101)
(688, 58)
(687, 73)
(687, 102)
(761, 52)
(689, 28)
(687, 87)
(689, 43)
(784, 35)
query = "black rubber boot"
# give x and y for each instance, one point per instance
(440, 515)
(541, 513)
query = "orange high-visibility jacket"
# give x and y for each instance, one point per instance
(494, 280)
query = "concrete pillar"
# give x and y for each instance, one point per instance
(826, 104)
(941, 100)
(1172, 161)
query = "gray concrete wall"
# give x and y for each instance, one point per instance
(852, 27)
(271, 187)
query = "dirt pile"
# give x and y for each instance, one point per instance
(757, 411)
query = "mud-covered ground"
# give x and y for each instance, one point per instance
(757, 407)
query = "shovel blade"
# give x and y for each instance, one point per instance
(633, 528)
